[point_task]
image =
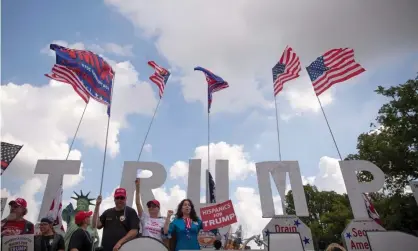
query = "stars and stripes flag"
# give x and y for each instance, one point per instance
(371, 210)
(160, 76)
(215, 83)
(89, 74)
(335, 66)
(54, 212)
(8, 153)
(286, 69)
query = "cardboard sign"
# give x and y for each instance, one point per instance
(290, 224)
(22, 242)
(217, 216)
(355, 237)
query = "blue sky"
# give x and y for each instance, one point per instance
(181, 123)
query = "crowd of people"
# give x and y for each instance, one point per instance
(120, 224)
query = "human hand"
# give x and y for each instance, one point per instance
(169, 214)
(98, 200)
(117, 246)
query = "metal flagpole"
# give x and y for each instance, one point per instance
(207, 173)
(329, 127)
(76, 131)
(107, 134)
(277, 125)
(149, 128)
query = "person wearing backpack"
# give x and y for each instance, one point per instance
(48, 240)
(15, 224)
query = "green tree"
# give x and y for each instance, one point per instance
(329, 213)
(392, 144)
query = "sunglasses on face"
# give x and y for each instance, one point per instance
(14, 206)
(120, 198)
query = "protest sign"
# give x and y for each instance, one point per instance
(17, 242)
(217, 216)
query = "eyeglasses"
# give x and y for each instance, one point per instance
(120, 198)
(43, 224)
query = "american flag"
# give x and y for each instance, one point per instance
(54, 212)
(160, 76)
(286, 69)
(211, 187)
(335, 66)
(8, 153)
(371, 210)
(88, 73)
(215, 83)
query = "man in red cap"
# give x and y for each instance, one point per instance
(81, 239)
(15, 224)
(120, 224)
(151, 223)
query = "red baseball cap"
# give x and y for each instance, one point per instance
(156, 202)
(20, 202)
(82, 215)
(120, 192)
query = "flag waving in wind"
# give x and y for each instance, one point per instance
(286, 69)
(215, 83)
(160, 76)
(89, 74)
(8, 153)
(335, 66)
(54, 212)
(371, 210)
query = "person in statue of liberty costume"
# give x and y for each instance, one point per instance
(68, 215)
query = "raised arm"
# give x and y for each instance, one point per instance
(167, 221)
(97, 223)
(137, 197)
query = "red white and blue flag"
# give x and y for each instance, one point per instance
(54, 212)
(335, 66)
(215, 83)
(160, 76)
(286, 69)
(371, 210)
(89, 74)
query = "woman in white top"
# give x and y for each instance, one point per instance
(151, 223)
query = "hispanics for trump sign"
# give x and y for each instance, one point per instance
(218, 216)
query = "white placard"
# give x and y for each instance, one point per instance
(392, 241)
(144, 243)
(355, 234)
(285, 242)
(290, 224)
(22, 242)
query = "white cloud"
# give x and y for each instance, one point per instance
(106, 48)
(245, 40)
(148, 148)
(240, 165)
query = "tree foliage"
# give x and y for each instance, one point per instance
(329, 213)
(392, 144)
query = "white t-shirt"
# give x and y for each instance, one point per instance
(151, 226)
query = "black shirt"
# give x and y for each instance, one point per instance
(46, 243)
(81, 240)
(115, 228)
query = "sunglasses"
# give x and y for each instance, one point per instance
(152, 206)
(14, 205)
(120, 198)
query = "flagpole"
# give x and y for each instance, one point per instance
(277, 126)
(329, 127)
(107, 134)
(76, 131)
(208, 171)
(149, 128)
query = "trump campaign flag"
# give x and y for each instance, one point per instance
(215, 83)
(89, 74)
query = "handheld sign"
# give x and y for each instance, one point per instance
(22, 242)
(217, 216)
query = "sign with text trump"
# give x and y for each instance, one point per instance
(218, 216)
